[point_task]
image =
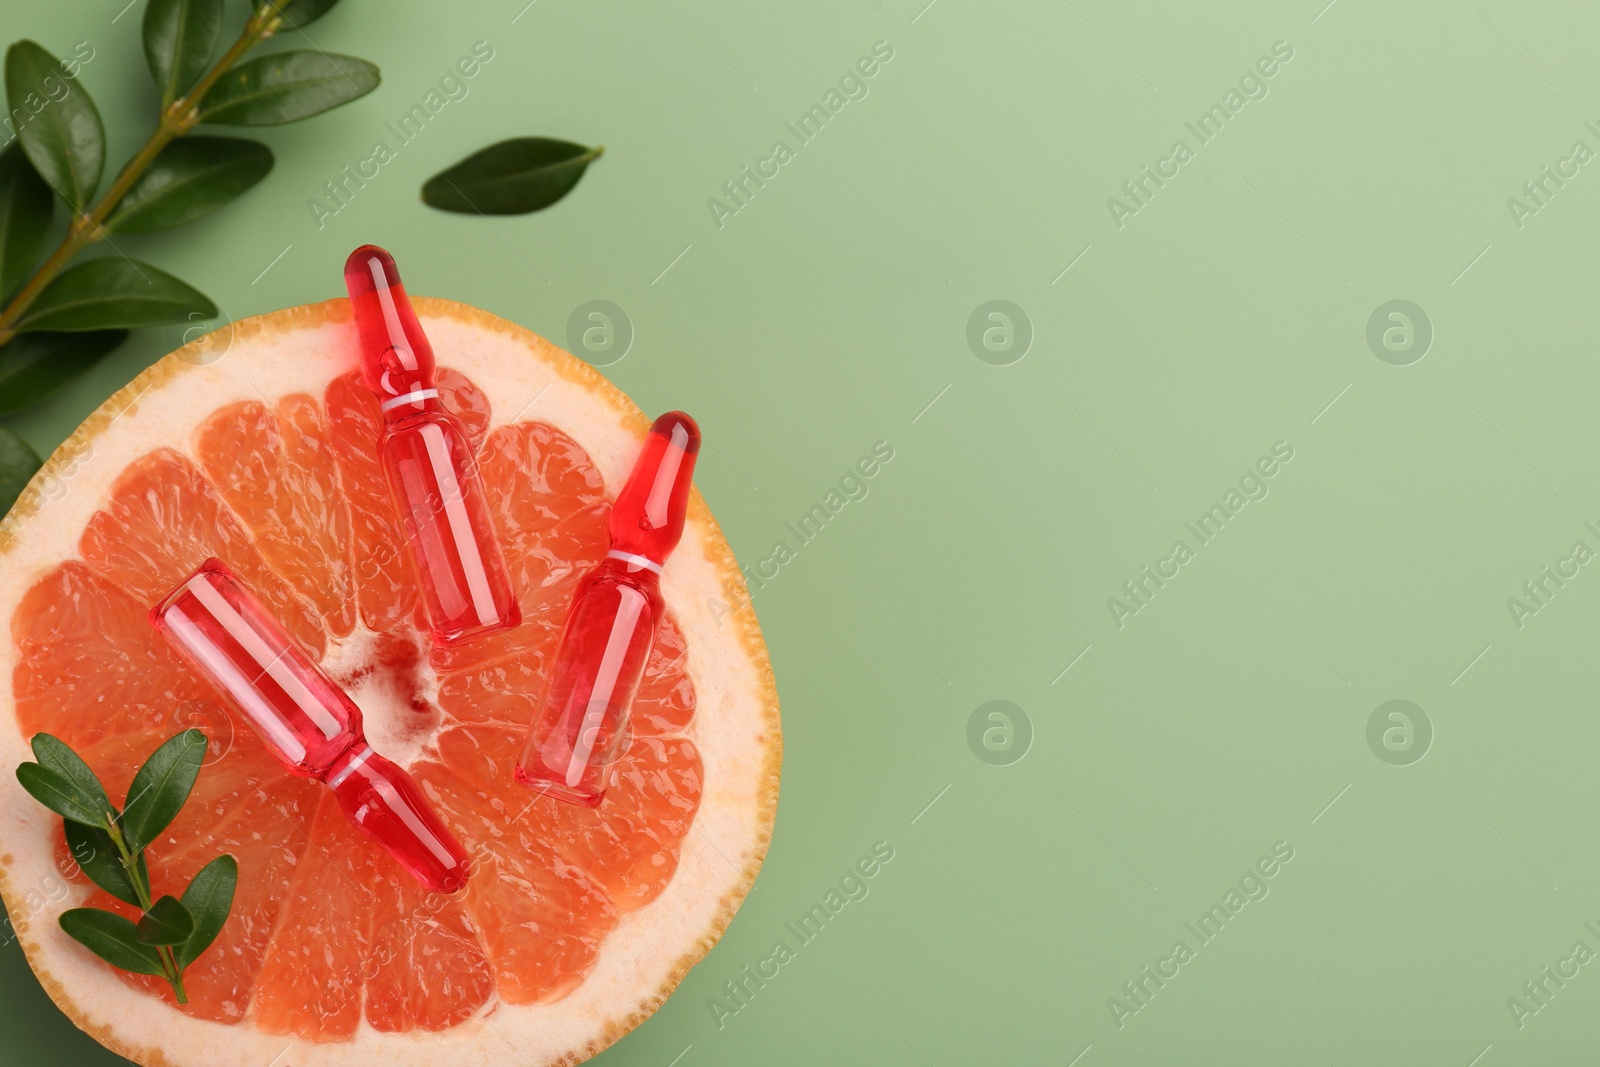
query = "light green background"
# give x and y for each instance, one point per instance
(1225, 316)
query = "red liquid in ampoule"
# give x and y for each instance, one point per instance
(580, 727)
(304, 719)
(428, 462)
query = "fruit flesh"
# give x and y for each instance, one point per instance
(326, 931)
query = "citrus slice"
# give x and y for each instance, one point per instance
(575, 924)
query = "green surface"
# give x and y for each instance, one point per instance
(1227, 314)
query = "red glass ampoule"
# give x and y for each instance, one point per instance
(579, 728)
(304, 719)
(428, 462)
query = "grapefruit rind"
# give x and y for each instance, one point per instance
(736, 725)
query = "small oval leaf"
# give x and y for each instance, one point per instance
(54, 753)
(18, 463)
(191, 177)
(112, 938)
(510, 178)
(209, 898)
(296, 14)
(25, 209)
(286, 87)
(34, 365)
(160, 788)
(179, 37)
(96, 856)
(114, 293)
(167, 922)
(58, 793)
(56, 122)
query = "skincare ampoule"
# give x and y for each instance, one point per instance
(579, 728)
(304, 718)
(428, 462)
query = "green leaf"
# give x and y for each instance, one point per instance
(60, 794)
(286, 87)
(297, 13)
(167, 922)
(161, 787)
(510, 178)
(34, 365)
(179, 37)
(191, 177)
(58, 125)
(114, 293)
(25, 209)
(54, 754)
(209, 898)
(18, 462)
(112, 938)
(96, 855)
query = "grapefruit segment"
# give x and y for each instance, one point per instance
(551, 512)
(547, 477)
(665, 701)
(542, 918)
(86, 668)
(310, 982)
(275, 471)
(428, 970)
(631, 846)
(385, 593)
(479, 754)
(501, 695)
(164, 520)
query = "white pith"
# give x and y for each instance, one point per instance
(379, 695)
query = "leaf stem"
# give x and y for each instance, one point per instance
(177, 119)
(141, 889)
(130, 863)
(177, 982)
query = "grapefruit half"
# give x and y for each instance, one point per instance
(256, 445)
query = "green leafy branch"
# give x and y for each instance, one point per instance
(109, 845)
(57, 318)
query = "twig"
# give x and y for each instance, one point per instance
(177, 119)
